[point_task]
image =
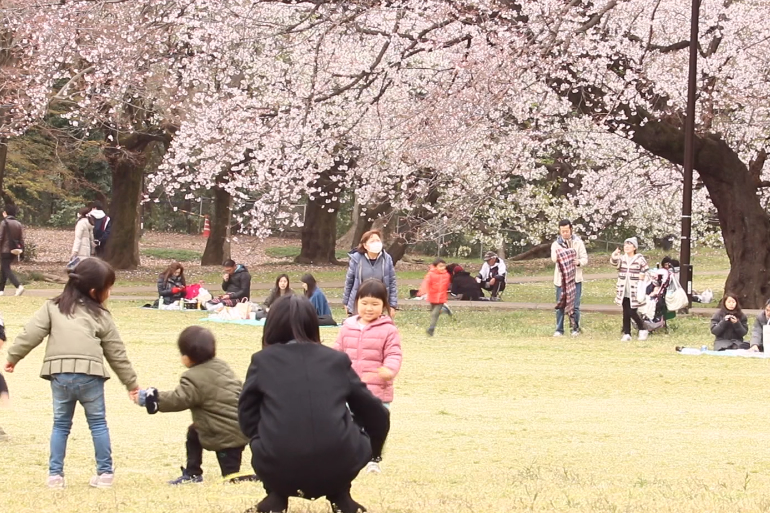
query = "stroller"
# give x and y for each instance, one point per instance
(655, 313)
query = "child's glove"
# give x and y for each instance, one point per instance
(149, 399)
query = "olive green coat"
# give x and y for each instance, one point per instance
(210, 391)
(79, 344)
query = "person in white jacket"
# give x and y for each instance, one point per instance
(492, 275)
(567, 239)
(83, 247)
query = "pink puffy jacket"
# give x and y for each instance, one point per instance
(369, 348)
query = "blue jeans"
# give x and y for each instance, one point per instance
(69, 389)
(560, 313)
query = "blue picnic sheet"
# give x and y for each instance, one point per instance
(745, 353)
(246, 322)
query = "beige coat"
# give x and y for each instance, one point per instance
(582, 260)
(633, 269)
(77, 344)
(84, 238)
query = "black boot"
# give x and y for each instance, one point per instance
(344, 503)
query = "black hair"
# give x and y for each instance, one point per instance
(277, 289)
(97, 205)
(438, 261)
(373, 288)
(310, 282)
(90, 274)
(198, 344)
(565, 222)
(668, 260)
(11, 209)
(84, 213)
(723, 309)
(228, 263)
(292, 317)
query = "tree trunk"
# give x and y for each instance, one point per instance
(217, 247)
(539, 251)
(409, 230)
(319, 230)
(122, 250)
(733, 191)
(348, 240)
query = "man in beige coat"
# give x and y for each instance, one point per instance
(567, 239)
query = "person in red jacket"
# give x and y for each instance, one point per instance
(435, 287)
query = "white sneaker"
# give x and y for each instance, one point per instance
(20, 290)
(373, 468)
(2, 292)
(55, 482)
(557, 333)
(575, 333)
(102, 480)
(643, 334)
(625, 338)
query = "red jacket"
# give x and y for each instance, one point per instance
(435, 285)
(370, 347)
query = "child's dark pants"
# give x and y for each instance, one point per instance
(229, 459)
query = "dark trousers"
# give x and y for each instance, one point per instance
(229, 459)
(628, 314)
(495, 289)
(5, 271)
(435, 312)
(326, 320)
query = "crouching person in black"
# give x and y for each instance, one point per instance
(304, 441)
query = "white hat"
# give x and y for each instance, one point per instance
(632, 240)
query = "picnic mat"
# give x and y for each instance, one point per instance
(246, 322)
(745, 353)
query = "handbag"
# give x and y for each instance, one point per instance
(676, 297)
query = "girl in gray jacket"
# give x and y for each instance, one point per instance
(729, 325)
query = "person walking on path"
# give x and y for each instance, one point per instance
(631, 268)
(367, 261)
(568, 240)
(83, 247)
(11, 238)
(102, 228)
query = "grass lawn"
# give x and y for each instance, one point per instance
(491, 415)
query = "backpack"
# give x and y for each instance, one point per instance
(16, 245)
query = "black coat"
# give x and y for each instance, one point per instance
(293, 408)
(239, 284)
(164, 288)
(465, 284)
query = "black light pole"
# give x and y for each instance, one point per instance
(685, 277)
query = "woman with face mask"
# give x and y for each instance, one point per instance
(367, 261)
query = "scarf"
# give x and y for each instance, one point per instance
(566, 259)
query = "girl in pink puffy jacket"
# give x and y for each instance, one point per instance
(372, 342)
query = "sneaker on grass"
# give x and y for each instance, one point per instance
(185, 478)
(102, 480)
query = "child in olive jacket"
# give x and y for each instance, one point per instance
(81, 335)
(210, 390)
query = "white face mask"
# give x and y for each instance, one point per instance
(374, 247)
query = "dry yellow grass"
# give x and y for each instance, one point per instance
(491, 415)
